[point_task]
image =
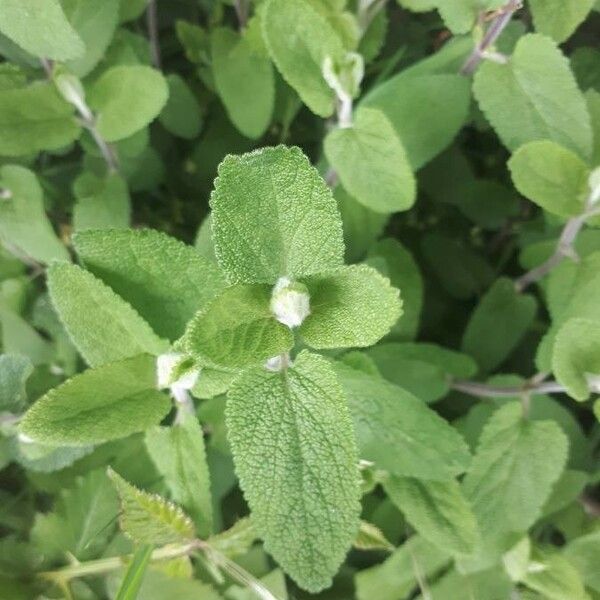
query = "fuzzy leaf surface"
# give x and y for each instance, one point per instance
(273, 216)
(101, 404)
(103, 327)
(354, 306)
(294, 451)
(164, 280)
(148, 518)
(524, 99)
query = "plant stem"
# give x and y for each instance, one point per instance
(482, 390)
(107, 150)
(242, 10)
(106, 565)
(152, 22)
(497, 26)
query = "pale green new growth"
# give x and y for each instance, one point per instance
(526, 99)
(296, 459)
(398, 432)
(35, 118)
(370, 537)
(148, 518)
(178, 453)
(516, 464)
(551, 176)
(23, 220)
(554, 577)
(354, 306)
(371, 162)
(237, 329)
(106, 403)
(273, 215)
(576, 357)
(164, 280)
(126, 98)
(438, 510)
(103, 327)
(299, 39)
(498, 324)
(244, 79)
(41, 28)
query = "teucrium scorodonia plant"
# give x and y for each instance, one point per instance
(299, 298)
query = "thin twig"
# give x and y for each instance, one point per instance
(107, 150)
(496, 27)
(152, 22)
(564, 249)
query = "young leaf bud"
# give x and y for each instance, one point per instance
(290, 302)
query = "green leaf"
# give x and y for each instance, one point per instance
(237, 329)
(106, 403)
(404, 274)
(81, 522)
(516, 464)
(103, 327)
(524, 99)
(398, 575)
(274, 216)
(299, 39)
(35, 118)
(437, 510)
(126, 98)
(584, 553)
(425, 370)
(95, 21)
(134, 576)
(244, 80)
(398, 432)
(41, 28)
(236, 540)
(14, 372)
(498, 324)
(179, 455)
(551, 176)
(300, 480)
(555, 578)
(148, 518)
(181, 115)
(23, 220)
(102, 203)
(354, 306)
(371, 162)
(164, 280)
(559, 18)
(576, 357)
(426, 109)
(579, 301)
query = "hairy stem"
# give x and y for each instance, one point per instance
(152, 22)
(106, 565)
(482, 390)
(496, 27)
